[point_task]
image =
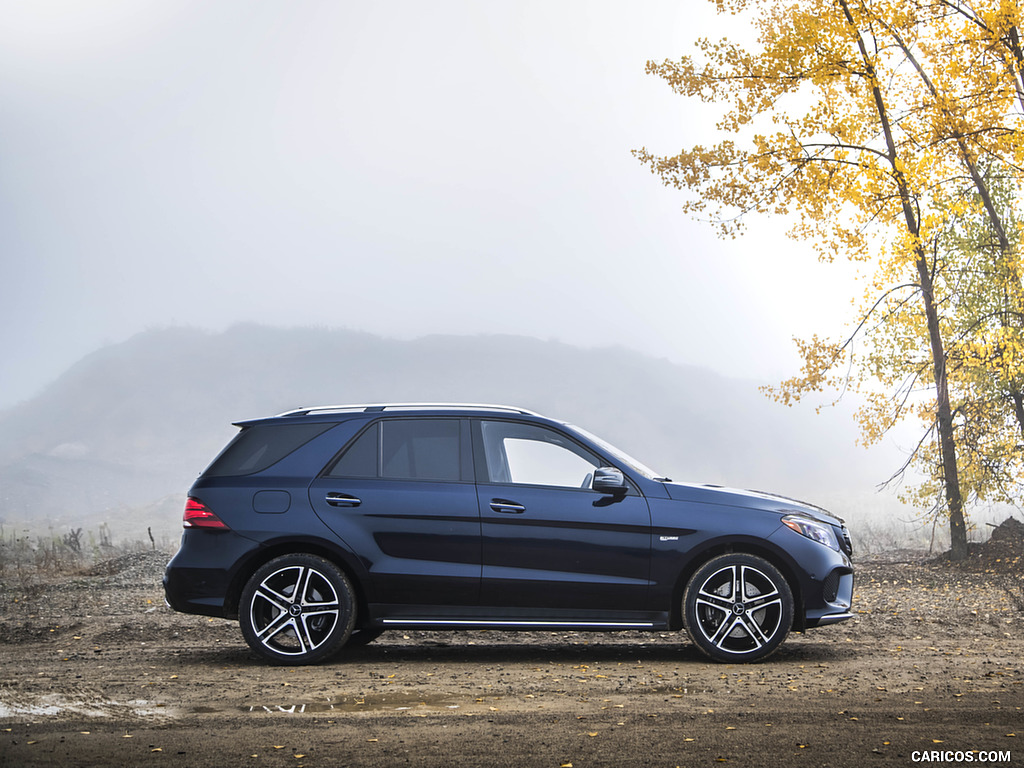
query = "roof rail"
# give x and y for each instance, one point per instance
(379, 407)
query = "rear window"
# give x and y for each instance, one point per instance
(258, 447)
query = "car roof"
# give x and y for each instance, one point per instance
(328, 411)
(381, 407)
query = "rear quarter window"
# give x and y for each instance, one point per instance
(258, 447)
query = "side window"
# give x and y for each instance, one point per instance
(360, 458)
(532, 455)
(420, 449)
(404, 449)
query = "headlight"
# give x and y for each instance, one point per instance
(812, 529)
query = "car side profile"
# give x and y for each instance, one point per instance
(323, 527)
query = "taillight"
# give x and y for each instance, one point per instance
(198, 515)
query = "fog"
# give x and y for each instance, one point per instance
(401, 168)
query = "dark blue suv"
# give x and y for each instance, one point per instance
(324, 527)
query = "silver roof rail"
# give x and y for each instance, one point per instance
(379, 407)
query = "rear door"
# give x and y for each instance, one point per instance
(402, 496)
(551, 544)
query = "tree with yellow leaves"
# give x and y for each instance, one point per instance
(878, 128)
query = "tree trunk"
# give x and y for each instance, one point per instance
(943, 418)
(943, 411)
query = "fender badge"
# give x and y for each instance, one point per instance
(669, 538)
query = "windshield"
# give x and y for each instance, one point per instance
(618, 455)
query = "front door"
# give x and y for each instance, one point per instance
(551, 544)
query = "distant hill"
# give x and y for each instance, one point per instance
(121, 435)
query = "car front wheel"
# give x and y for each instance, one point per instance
(738, 607)
(297, 609)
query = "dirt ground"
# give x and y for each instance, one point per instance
(97, 671)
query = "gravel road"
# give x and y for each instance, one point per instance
(97, 671)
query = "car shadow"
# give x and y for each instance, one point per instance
(531, 650)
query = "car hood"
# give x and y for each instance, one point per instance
(733, 497)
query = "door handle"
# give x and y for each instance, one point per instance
(508, 507)
(342, 500)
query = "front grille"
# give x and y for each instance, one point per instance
(845, 542)
(830, 588)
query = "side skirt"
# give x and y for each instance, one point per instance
(461, 617)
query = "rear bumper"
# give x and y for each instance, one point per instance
(200, 577)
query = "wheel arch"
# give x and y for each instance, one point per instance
(348, 564)
(755, 547)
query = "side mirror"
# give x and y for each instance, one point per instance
(609, 480)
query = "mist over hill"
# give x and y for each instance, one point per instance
(121, 435)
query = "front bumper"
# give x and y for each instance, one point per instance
(825, 579)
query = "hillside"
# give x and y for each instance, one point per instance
(120, 436)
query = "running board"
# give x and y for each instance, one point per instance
(552, 624)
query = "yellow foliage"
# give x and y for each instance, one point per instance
(888, 133)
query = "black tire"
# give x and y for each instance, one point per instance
(360, 637)
(738, 608)
(297, 609)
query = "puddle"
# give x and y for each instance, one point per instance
(59, 706)
(401, 702)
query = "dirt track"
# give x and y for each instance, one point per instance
(96, 671)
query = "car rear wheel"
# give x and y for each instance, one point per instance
(738, 607)
(297, 609)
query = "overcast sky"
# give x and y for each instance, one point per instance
(402, 168)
